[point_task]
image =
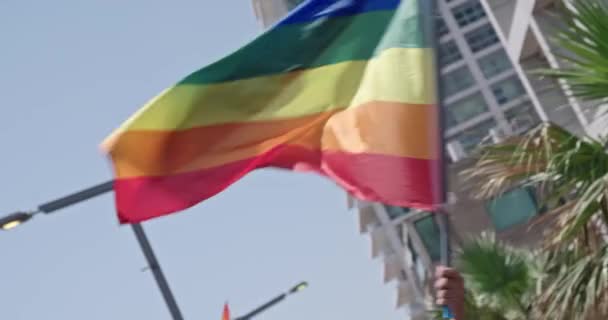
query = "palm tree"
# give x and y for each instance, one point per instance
(570, 174)
(500, 277)
(501, 280)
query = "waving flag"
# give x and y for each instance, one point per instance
(226, 314)
(343, 88)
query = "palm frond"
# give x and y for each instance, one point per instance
(579, 286)
(583, 37)
(499, 277)
(591, 201)
(547, 154)
(569, 173)
(474, 311)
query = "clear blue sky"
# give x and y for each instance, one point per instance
(70, 72)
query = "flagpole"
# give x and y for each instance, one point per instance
(441, 215)
(446, 252)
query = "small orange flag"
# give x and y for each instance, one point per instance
(226, 315)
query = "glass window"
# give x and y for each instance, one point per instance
(428, 230)
(522, 118)
(442, 28)
(508, 89)
(457, 81)
(468, 12)
(448, 53)
(494, 63)
(472, 138)
(293, 3)
(467, 108)
(449, 119)
(396, 212)
(407, 242)
(481, 38)
(512, 208)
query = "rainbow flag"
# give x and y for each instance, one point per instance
(343, 88)
(226, 313)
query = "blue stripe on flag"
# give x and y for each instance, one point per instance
(311, 10)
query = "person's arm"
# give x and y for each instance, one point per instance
(450, 291)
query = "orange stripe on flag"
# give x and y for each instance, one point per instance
(386, 128)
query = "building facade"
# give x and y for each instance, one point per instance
(486, 50)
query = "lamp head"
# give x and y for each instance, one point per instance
(299, 287)
(14, 220)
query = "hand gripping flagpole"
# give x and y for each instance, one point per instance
(441, 216)
(444, 238)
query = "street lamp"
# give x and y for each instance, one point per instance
(14, 220)
(299, 287)
(295, 289)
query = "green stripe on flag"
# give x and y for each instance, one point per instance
(319, 43)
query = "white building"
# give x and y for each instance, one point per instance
(486, 49)
(527, 27)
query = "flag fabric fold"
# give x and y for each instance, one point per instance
(343, 88)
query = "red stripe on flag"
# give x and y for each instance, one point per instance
(398, 181)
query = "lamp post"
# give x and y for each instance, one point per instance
(297, 288)
(16, 219)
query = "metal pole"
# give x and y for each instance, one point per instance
(77, 197)
(153, 264)
(441, 216)
(297, 288)
(263, 308)
(444, 239)
(157, 271)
